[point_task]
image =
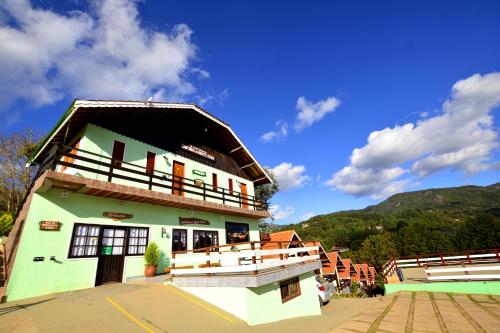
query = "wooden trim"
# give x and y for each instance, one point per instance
(293, 281)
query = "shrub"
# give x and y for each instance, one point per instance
(152, 254)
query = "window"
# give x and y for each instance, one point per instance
(214, 181)
(230, 186)
(289, 289)
(118, 153)
(203, 239)
(179, 240)
(84, 241)
(113, 241)
(137, 241)
(237, 232)
(150, 162)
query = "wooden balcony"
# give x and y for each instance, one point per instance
(249, 264)
(88, 173)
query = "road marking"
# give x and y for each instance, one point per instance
(204, 306)
(129, 316)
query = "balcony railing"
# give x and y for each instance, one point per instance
(243, 258)
(111, 170)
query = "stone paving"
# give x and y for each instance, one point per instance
(423, 312)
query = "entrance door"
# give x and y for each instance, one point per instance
(178, 176)
(111, 256)
(244, 195)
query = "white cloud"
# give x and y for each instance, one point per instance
(289, 176)
(278, 213)
(307, 216)
(280, 132)
(106, 53)
(460, 137)
(310, 112)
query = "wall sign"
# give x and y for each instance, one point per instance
(192, 220)
(117, 216)
(50, 225)
(198, 151)
(200, 173)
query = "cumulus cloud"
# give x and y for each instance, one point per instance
(290, 176)
(106, 53)
(280, 132)
(278, 213)
(460, 137)
(312, 112)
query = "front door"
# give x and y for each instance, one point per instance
(244, 196)
(111, 256)
(178, 178)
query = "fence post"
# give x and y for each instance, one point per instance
(150, 185)
(418, 262)
(223, 196)
(442, 259)
(204, 192)
(172, 267)
(254, 257)
(468, 257)
(208, 261)
(496, 254)
(111, 167)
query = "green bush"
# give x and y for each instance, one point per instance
(152, 254)
(6, 222)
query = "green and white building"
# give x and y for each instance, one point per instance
(116, 175)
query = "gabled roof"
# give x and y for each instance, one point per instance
(152, 120)
(336, 264)
(372, 272)
(285, 236)
(349, 269)
(360, 272)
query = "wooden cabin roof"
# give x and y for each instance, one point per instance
(285, 236)
(152, 123)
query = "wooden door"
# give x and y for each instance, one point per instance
(111, 256)
(177, 178)
(244, 195)
(118, 153)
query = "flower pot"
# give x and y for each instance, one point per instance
(150, 270)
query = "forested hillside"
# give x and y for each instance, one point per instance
(429, 221)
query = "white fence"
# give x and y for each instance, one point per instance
(466, 273)
(243, 261)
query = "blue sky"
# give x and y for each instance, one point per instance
(348, 102)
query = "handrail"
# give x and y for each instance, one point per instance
(153, 176)
(248, 258)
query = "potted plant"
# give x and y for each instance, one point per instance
(151, 259)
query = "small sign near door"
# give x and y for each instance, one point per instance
(192, 220)
(50, 225)
(117, 216)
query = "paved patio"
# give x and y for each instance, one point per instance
(144, 307)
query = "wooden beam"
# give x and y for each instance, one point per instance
(246, 166)
(235, 149)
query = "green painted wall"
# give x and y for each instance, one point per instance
(470, 287)
(100, 141)
(30, 278)
(261, 300)
(263, 304)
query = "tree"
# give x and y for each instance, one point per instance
(15, 177)
(6, 222)
(480, 232)
(264, 193)
(377, 249)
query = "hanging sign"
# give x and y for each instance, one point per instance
(192, 220)
(198, 151)
(200, 173)
(50, 225)
(117, 216)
